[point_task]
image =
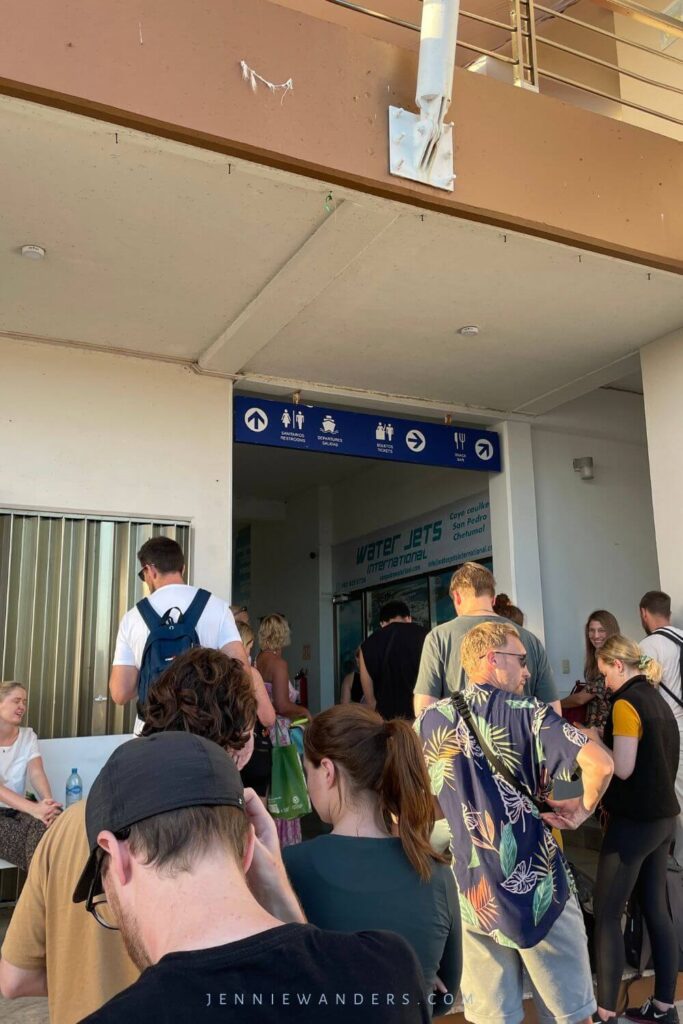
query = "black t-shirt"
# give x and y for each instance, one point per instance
(392, 658)
(294, 972)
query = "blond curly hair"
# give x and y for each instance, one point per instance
(489, 636)
(273, 633)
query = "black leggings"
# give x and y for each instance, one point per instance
(634, 852)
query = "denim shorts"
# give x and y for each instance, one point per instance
(557, 968)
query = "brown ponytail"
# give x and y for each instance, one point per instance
(503, 606)
(384, 758)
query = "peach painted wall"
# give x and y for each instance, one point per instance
(523, 160)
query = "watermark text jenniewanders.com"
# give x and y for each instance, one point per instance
(366, 999)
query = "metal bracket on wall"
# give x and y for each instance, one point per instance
(421, 145)
(407, 151)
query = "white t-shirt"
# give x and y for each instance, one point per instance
(668, 654)
(216, 626)
(14, 761)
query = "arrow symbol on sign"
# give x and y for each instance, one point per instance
(415, 440)
(484, 449)
(256, 419)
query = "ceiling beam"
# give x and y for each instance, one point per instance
(314, 392)
(342, 237)
(582, 385)
(646, 16)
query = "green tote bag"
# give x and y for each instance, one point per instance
(288, 794)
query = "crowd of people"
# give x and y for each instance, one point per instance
(172, 892)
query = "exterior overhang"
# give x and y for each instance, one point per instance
(523, 161)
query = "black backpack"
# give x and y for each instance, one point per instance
(167, 638)
(636, 938)
(675, 639)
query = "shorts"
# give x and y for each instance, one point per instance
(558, 968)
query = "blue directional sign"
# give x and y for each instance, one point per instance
(315, 429)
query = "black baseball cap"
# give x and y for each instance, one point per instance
(149, 776)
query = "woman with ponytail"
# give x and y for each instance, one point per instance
(642, 810)
(367, 779)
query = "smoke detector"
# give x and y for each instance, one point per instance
(33, 252)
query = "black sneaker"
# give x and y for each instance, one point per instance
(649, 1012)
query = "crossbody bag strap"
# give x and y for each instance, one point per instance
(675, 639)
(671, 694)
(494, 761)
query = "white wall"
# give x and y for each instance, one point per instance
(387, 493)
(284, 578)
(596, 537)
(86, 431)
(662, 364)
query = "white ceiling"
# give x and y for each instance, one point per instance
(166, 250)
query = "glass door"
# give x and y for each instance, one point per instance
(349, 636)
(414, 592)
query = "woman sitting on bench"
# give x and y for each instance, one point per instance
(22, 822)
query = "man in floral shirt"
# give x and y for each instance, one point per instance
(517, 904)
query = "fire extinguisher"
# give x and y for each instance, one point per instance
(301, 681)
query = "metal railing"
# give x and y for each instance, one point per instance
(519, 48)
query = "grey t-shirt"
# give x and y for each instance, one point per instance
(441, 672)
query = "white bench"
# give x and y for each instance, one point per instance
(85, 753)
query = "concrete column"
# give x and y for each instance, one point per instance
(325, 590)
(514, 529)
(230, 517)
(662, 364)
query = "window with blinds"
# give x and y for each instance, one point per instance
(65, 583)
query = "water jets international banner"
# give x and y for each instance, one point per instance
(458, 532)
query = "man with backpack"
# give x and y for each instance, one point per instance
(664, 643)
(172, 619)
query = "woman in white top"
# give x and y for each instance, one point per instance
(22, 821)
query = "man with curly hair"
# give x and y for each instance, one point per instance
(493, 753)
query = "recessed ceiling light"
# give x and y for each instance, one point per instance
(33, 252)
(469, 330)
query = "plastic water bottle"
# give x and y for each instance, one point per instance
(74, 788)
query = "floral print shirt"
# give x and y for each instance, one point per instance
(597, 710)
(512, 878)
